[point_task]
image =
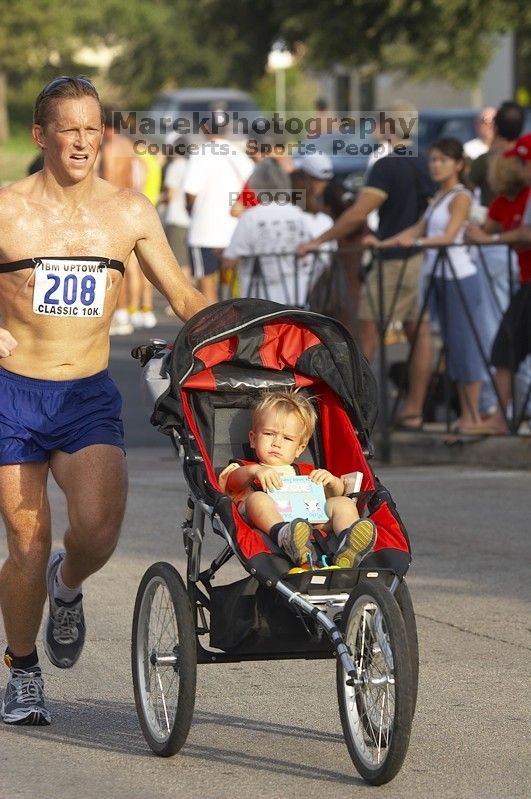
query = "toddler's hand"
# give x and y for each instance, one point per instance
(268, 478)
(323, 477)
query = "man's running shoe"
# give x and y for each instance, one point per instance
(64, 634)
(358, 542)
(294, 539)
(24, 698)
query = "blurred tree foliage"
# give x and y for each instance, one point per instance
(31, 33)
(447, 39)
(167, 43)
(39, 40)
(201, 42)
(173, 43)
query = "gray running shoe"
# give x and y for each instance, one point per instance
(24, 698)
(64, 635)
(358, 542)
(296, 541)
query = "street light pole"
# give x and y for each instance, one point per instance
(280, 91)
(279, 60)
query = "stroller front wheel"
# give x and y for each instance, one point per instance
(376, 707)
(403, 599)
(163, 659)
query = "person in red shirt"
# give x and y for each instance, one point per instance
(509, 222)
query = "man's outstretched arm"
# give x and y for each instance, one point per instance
(351, 219)
(161, 268)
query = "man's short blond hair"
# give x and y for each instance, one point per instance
(285, 403)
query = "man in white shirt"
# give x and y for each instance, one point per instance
(213, 177)
(175, 216)
(265, 240)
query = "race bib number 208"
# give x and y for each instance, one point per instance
(69, 288)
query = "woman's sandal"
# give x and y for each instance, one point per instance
(411, 421)
(484, 429)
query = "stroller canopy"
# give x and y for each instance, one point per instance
(251, 334)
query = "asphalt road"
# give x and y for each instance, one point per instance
(272, 729)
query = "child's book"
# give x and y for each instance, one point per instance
(300, 498)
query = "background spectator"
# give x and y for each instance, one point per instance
(148, 180)
(175, 217)
(484, 126)
(451, 282)
(116, 164)
(311, 176)
(512, 344)
(493, 262)
(213, 178)
(336, 200)
(398, 187)
(265, 240)
(507, 127)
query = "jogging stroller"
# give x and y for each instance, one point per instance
(222, 358)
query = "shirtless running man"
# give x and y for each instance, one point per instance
(66, 239)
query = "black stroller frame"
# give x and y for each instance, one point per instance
(363, 616)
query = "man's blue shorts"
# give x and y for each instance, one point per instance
(39, 416)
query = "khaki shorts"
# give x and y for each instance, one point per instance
(400, 291)
(177, 240)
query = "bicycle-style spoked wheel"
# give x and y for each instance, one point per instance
(164, 660)
(376, 706)
(403, 599)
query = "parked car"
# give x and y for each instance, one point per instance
(350, 153)
(460, 123)
(436, 123)
(184, 103)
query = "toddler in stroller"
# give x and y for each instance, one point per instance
(222, 362)
(282, 425)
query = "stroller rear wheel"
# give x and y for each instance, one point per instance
(164, 660)
(376, 708)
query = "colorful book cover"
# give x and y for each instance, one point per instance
(300, 498)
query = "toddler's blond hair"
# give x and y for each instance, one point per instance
(504, 176)
(285, 403)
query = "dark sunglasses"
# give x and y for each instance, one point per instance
(54, 84)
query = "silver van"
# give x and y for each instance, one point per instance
(194, 104)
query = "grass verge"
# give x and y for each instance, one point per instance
(16, 154)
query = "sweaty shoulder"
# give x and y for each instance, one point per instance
(137, 203)
(138, 214)
(124, 198)
(17, 192)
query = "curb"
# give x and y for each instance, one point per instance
(489, 452)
